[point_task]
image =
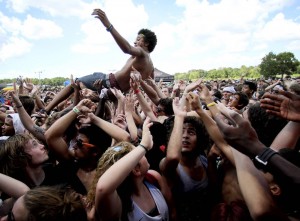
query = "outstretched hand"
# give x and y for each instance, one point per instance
(285, 105)
(102, 17)
(241, 136)
(134, 81)
(178, 110)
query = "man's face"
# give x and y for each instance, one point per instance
(246, 89)
(189, 138)
(8, 127)
(226, 95)
(139, 42)
(165, 91)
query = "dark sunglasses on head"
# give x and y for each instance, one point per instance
(80, 143)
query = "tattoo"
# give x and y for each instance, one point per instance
(39, 129)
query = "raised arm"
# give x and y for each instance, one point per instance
(122, 42)
(169, 164)
(55, 134)
(12, 187)
(241, 136)
(107, 201)
(255, 190)
(26, 120)
(210, 126)
(111, 129)
(192, 86)
(134, 83)
(129, 109)
(287, 137)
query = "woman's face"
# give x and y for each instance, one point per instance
(37, 152)
(18, 212)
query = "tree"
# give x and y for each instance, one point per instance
(283, 63)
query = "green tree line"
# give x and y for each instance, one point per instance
(271, 65)
(57, 81)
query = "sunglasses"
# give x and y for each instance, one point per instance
(80, 144)
(10, 216)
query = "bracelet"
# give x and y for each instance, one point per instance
(144, 147)
(211, 104)
(109, 28)
(76, 110)
(137, 91)
(19, 106)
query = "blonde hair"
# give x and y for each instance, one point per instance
(109, 157)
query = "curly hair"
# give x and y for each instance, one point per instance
(109, 157)
(49, 203)
(203, 140)
(149, 37)
(13, 158)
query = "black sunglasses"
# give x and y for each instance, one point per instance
(10, 216)
(80, 143)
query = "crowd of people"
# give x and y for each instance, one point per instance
(125, 147)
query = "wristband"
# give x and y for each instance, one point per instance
(76, 110)
(211, 104)
(19, 106)
(109, 28)
(143, 147)
(261, 160)
(137, 91)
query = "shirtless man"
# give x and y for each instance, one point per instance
(139, 61)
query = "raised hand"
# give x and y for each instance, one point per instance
(129, 103)
(285, 105)
(178, 111)
(118, 93)
(86, 106)
(102, 17)
(150, 82)
(194, 101)
(98, 85)
(242, 136)
(134, 81)
(192, 86)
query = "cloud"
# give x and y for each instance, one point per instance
(34, 28)
(229, 32)
(278, 29)
(14, 47)
(97, 40)
(55, 8)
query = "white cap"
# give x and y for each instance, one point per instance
(229, 89)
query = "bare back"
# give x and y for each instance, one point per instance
(143, 64)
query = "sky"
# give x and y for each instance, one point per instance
(57, 38)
